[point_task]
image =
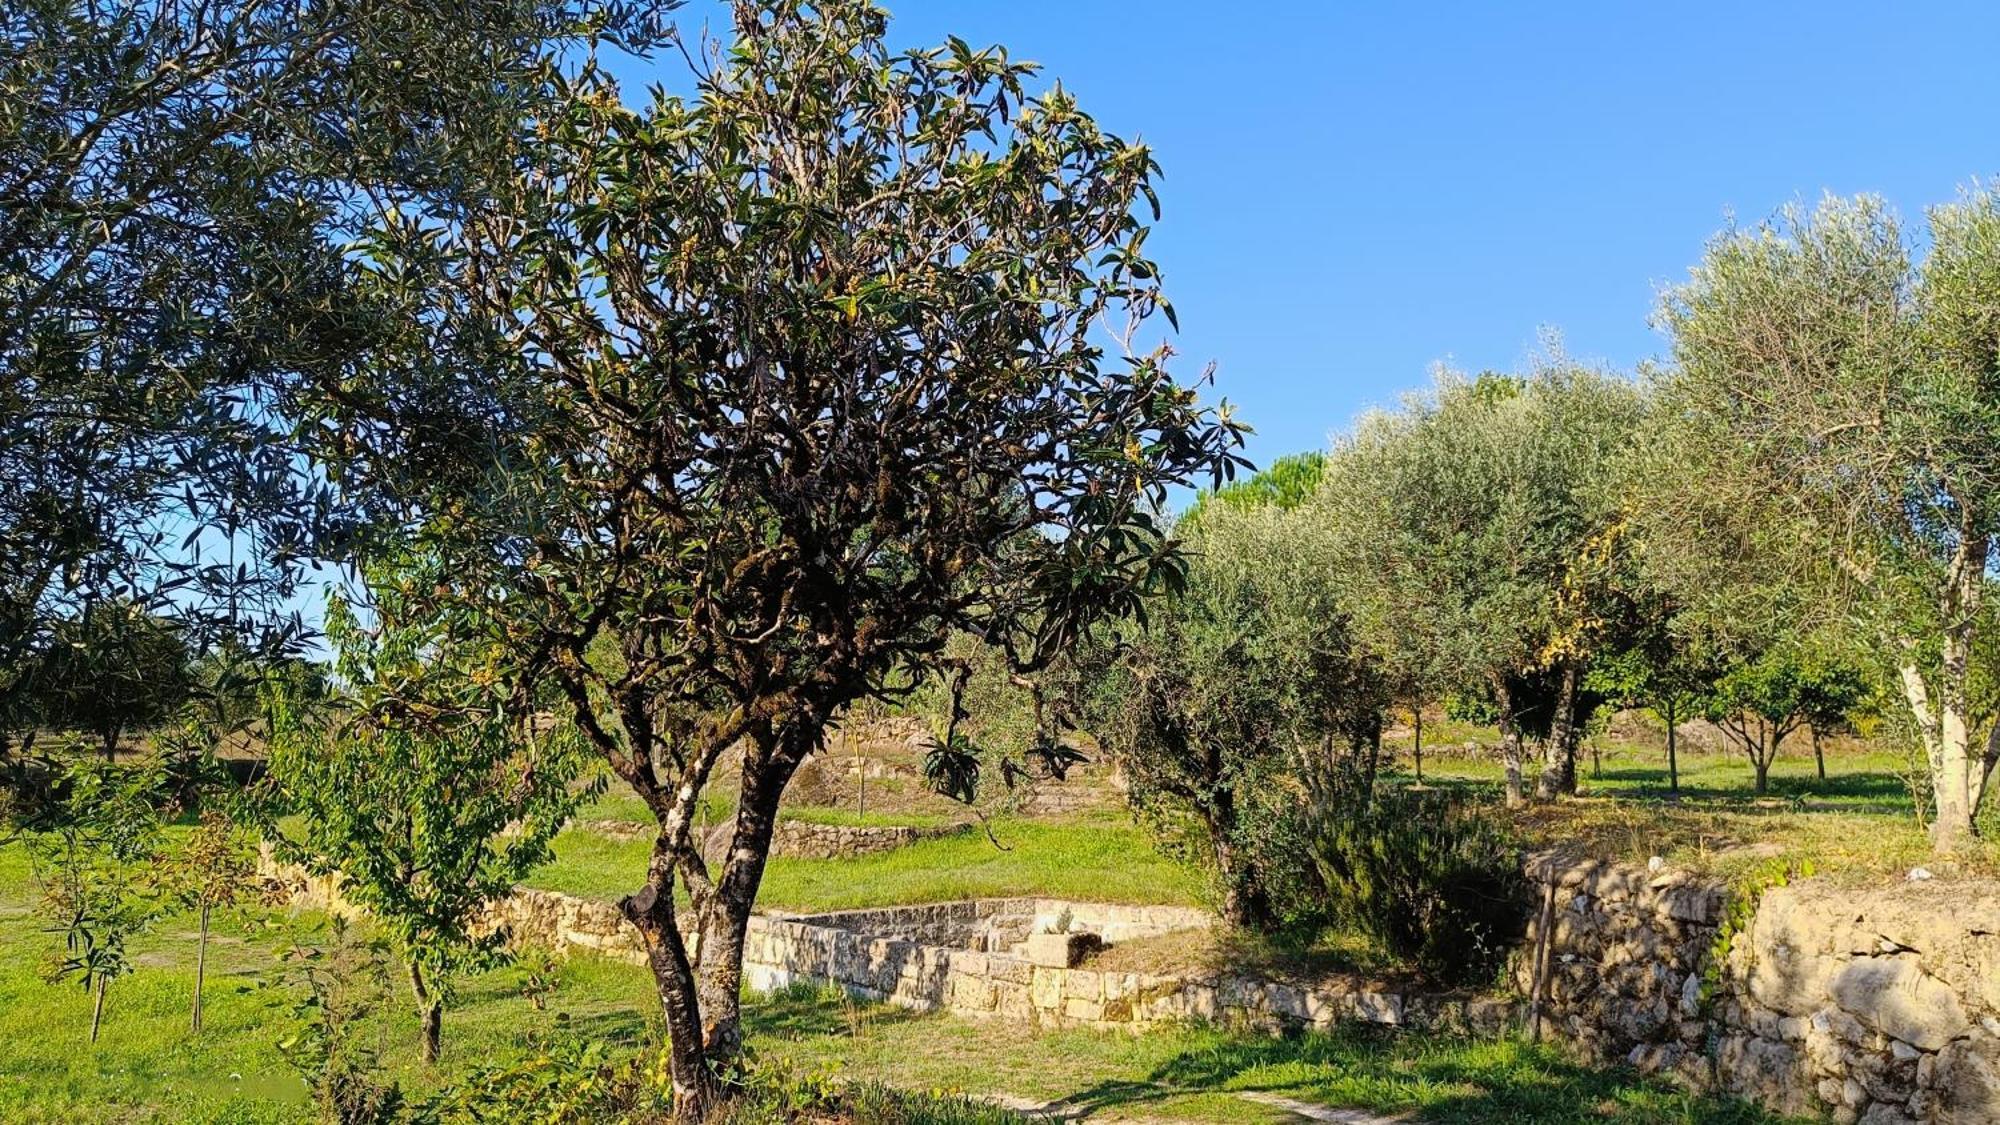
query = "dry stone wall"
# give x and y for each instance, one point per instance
(1878, 1005)
(986, 960)
(1875, 1005)
(798, 839)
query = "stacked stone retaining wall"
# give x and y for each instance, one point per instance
(1878, 1005)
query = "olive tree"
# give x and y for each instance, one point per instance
(1831, 422)
(111, 670)
(179, 183)
(1240, 695)
(769, 391)
(1472, 527)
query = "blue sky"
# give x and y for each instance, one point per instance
(1354, 192)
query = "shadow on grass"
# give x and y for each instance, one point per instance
(805, 1010)
(1428, 1079)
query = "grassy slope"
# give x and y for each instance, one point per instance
(149, 1068)
(1104, 858)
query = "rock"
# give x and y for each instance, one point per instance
(1060, 951)
(1966, 1083)
(1883, 1113)
(1896, 997)
(1918, 874)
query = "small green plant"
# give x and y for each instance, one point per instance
(90, 852)
(1437, 883)
(336, 985)
(540, 972)
(1744, 898)
(210, 871)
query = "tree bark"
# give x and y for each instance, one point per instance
(97, 1008)
(1559, 751)
(1244, 904)
(1510, 744)
(1819, 753)
(1673, 755)
(651, 912)
(1944, 722)
(725, 919)
(1417, 721)
(430, 1011)
(200, 964)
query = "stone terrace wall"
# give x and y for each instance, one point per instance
(998, 924)
(943, 973)
(1878, 1005)
(798, 839)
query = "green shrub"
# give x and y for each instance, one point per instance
(1434, 881)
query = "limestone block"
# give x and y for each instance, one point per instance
(1378, 1007)
(1060, 950)
(1013, 970)
(1082, 1010)
(1966, 1081)
(1083, 984)
(1883, 1113)
(1896, 997)
(1047, 987)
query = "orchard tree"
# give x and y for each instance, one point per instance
(1758, 702)
(424, 794)
(210, 869)
(1833, 689)
(1462, 525)
(111, 670)
(774, 389)
(1657, 666)
(1240, 695)
(1833, 420)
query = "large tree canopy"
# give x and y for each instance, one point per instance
(1471, 529)
(773, 390)
(1832, 439)
(178, 182)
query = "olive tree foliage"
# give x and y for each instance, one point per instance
(416, 786)
(1473, 529)
(178, 180)
(1831, 447)
(776, 387)
(1240, 696)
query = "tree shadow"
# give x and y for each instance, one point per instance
(1421, 1078)
(802, 1011)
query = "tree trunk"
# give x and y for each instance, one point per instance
(1417, 721)
(1510, 745)
(97, 1007)
(1763, 768)
(1944, 724)
(651, 912)
(430, 1010)
(1673, 755)
(725, 919)
(1244, 904)
(1819, 753)
(200, 964)
(1559, 750)
(111, 746)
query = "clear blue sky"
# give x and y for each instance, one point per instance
(1354, 192)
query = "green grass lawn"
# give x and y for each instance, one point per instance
(1105, 859)
(1198, 1074)
(148, 1067)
